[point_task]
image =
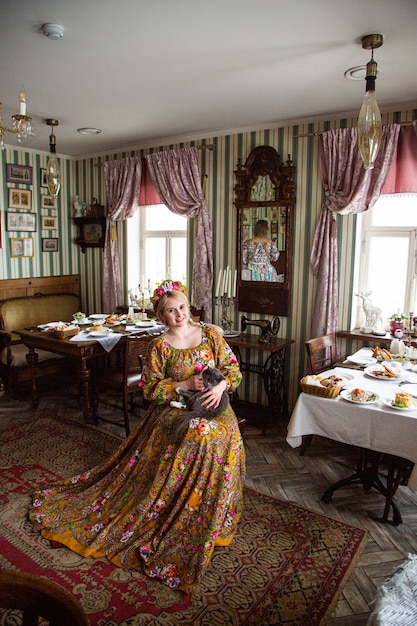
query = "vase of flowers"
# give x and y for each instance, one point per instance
(397, 322)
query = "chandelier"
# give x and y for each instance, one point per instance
(21, 123)
(369, 120)
(53, 174)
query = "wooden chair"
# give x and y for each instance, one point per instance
(124, 378)
(39, 597)
(322, 353)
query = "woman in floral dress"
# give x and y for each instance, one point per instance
(155, 505)
(259, 252)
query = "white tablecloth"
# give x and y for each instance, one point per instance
(372, 426)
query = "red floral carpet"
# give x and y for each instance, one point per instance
(286, 565)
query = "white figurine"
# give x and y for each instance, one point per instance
(79, 207)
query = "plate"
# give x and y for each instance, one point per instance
(388, 402)
(369, 371)
(101, 333)
(358, 360)
(144, 324)
(410, 388)
(346, 395)
(345, 376)
(231, 333)
(98, 316)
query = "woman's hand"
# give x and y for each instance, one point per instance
(211, 397)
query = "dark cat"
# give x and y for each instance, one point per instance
(192, 399)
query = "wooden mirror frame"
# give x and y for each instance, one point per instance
(270, 298)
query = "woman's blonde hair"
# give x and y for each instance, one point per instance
(261, 228)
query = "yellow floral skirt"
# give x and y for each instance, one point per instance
(154, 505)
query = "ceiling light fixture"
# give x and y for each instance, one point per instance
(369, 120)
(88, 131)
(21, 123)
(53, 174)
(53, 31)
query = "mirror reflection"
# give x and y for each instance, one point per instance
(265, 200)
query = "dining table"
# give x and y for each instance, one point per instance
(81, 349)
(376, 428)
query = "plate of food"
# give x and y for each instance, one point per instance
(339, 376)
(100, 333)
(385, 371)
(359, 396)
(402, 401)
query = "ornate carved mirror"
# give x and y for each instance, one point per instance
(265, 201)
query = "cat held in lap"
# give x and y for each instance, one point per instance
(193, 404)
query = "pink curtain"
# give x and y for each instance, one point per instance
(177, 180)
(402, 174)
(349, 188)
(122, 179)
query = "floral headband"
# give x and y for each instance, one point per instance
(164, 287)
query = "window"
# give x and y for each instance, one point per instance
(388, 254)
(157, 246)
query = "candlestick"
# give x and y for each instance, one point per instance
(234, 285)
(22, 100)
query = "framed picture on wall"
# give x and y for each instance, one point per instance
(20, 221)
(43, 177)
(49, 222)
(20, 199)
(21, 247)
(18, 174)
(49, 244)
(48, 202)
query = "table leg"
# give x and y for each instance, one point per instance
(83, 379)
(367, 474)
(32, 360)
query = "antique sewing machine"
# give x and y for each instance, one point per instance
(268, 328)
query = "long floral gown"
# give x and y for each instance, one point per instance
(155, 505)
(257, 256)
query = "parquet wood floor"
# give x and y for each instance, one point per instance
(274, 468)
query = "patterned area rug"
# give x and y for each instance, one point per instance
(286, 565)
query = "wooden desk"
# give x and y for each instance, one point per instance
(272, 371)
(81, 352)
(375, 429)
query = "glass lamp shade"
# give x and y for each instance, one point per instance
(53, 176)
(369, 130)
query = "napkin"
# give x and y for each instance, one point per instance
(107, 342)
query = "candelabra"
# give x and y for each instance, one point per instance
(139, 300)
(225, 301)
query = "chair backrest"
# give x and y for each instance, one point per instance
(39, 597)
(322, 352)
(136, 349)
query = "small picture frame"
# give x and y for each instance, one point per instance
(20, 221)
(21, 247)
(43, 177)
(49, 222)
(246, 216)
(21, 174)
(20, 199)
(274, 228)
(49, 244)
(48, 202)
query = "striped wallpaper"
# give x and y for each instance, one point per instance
(85, 178)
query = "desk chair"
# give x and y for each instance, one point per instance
(124, 378)
(39, 597)
(322, 354)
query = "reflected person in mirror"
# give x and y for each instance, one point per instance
(259, 252)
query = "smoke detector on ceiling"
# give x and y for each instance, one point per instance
(53, 31)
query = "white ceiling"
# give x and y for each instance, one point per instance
(147, 72)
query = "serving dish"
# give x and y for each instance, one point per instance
(100, 333)
(342, 374)
(97, 316)
(373, 369)
(347, 393)
(361, 360)
(389, 403)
